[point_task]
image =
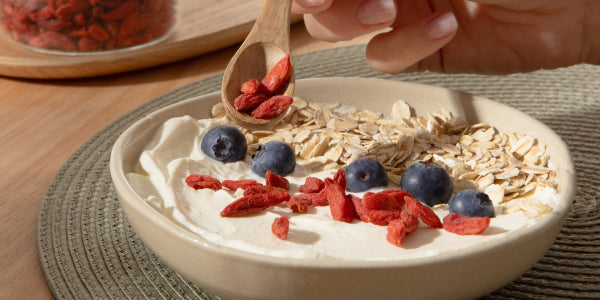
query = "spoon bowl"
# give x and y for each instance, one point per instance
(266, 44)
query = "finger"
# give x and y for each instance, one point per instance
(347, 19)
(310, 6)
(394, 51)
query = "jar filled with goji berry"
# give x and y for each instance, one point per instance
(87, 26)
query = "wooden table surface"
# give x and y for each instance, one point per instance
(43, 122)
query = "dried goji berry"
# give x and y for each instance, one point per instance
(46, 13)
(251, 204)
(67, 11)
(281, 227)
(146, 20)
(158, 30)
(312, 185)
(110, 3)
(239, 184)
(256, 189)
(398, 196)
(98, 32)
(197, 182)
(113, 28)
(128, 26)
(89, 44)
(423, 212)
(464, 225)
(277, 196)
(360, 212)
(340, 206)
(277, 76)
(320, 198)
(53, 40)
(411, 223)
(248, 102)
(382, 217)
(340, 178)
(259, 189)
(8, 9)
(300, 203)
(54, 25)
(396, 232)
(97, 11)
(111, 43)
(121, 11)
(250, 86)
(79, 33)
(246, 206)
(275, 180)
(25, 34)
(156, 5)
(380, 201)
(80, 20)
(272, 107)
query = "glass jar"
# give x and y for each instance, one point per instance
(87, 26)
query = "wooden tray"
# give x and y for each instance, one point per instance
(203, 26)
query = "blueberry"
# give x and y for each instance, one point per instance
(472, 203)
(365, 173)
(427, 182)
(277, 157)
(224, 143)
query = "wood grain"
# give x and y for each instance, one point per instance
(203, 26)
(42, 122)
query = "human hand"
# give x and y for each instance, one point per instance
(458, 36)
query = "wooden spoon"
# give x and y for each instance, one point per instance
(266, 44)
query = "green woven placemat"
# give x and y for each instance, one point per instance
(88, 249)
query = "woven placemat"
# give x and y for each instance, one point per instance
(88, 249)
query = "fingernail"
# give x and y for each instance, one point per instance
(376, 11)
(311, 3)
(441, 26)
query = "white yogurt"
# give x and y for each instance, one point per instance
(174, 153)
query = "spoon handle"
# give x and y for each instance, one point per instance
(275, 25)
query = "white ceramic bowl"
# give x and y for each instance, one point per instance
(235, 274)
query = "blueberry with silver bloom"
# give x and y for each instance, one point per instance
(471, 203)
(275, 156)
(427, 182)
(365, 173)
(224, 143)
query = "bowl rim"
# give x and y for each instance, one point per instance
(127, 194)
